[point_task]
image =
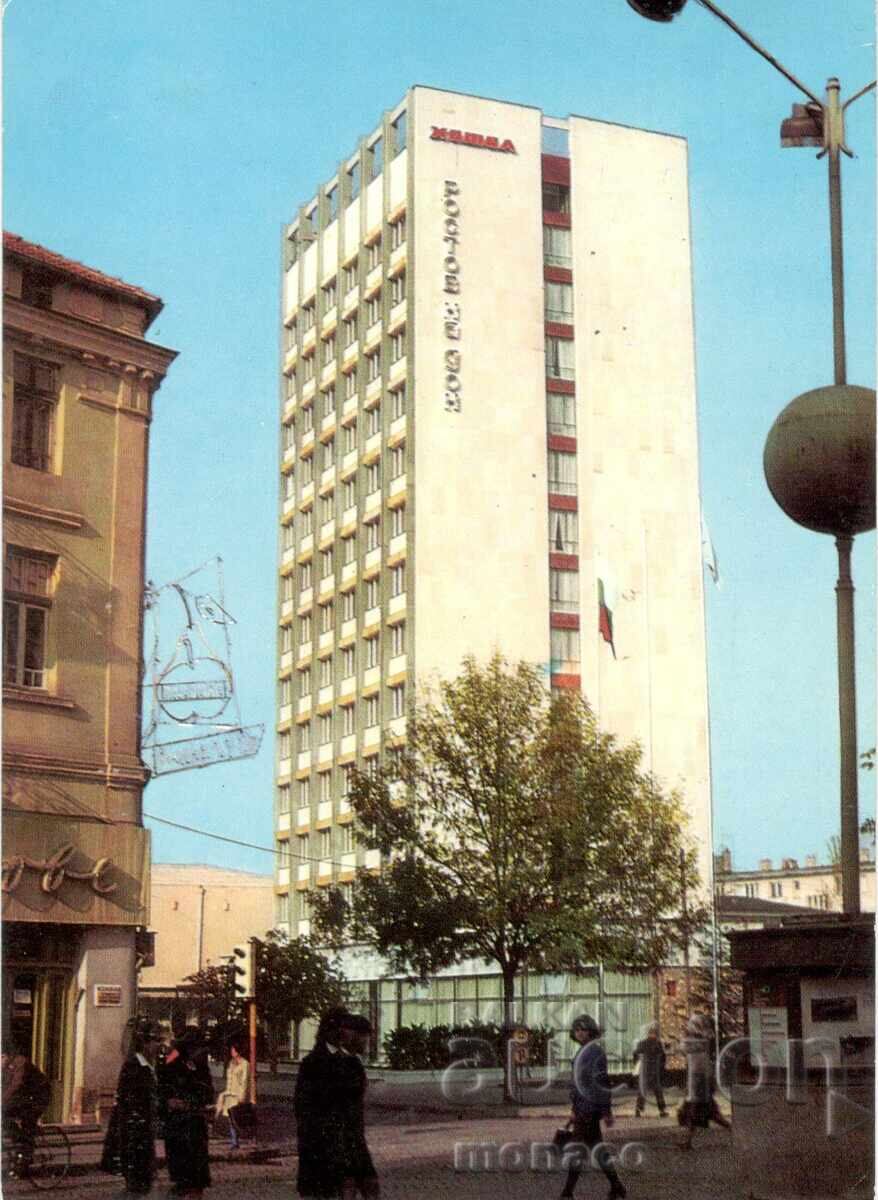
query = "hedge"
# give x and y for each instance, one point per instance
(419, 1048)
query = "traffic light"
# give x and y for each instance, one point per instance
(242, 969)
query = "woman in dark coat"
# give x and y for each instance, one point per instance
(334, 1160)
(185, 1094)
(129, 1147)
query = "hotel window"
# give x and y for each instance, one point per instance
(350, 437)
(281, 903)
(328, 453)
(325, 726)
(373, 254)
(329, 350)
(372, 652)
(376, 158)
(373, 594)
(332, 202)
(565, 651)
(560, 362)
(307, 521)
(397, 461)
(325, 563)
(329, 401)
(347, 839)
(290, 336)
(326, 618)
(289, 486)
(559, 302)
(307, 469)
(397, 400)
(288, 436)
(373, 366)
(291, 386)
(286, 638)
(373, 477)
(397, 580)
(397, 233)
(325, 792)
(307, 419)
(397, 639)
(326, 671)
(305, 736)
(287, 587)
(309, 313)
(397, 701)
(349, 549)
(399, 128)
(373, 535)
(371, 704)
(288, 535)
(562, 473)
(329, 295)
(373, 421)
(304, 793)
(557, 246)
(350, 385)
(397, 346)
(305, 683)
(34, 397)
(347, 778)
(26, 606)
(354, 181)
(373, 309)
(348, 720)
(327, 508)
(397, 521)
(283, 746)
(397, 287)
(350, 276)
(556, 197)
(308, 368)
(563, 532)
(349, 493)
(347, 662)
(305, 629)
(283, 798)
(350, 331)
(564, 590)
(561, 413)
(776, 890)
(325, 843)
(348, 606)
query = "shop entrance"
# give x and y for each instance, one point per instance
(38, 1004)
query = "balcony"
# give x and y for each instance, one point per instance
(303, 760)
(324, 810)
(397, 486)
(396, 604)
(284, 767)
(303, 817)
(304, 872)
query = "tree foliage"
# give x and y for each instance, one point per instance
(512, 829)
(294, 981)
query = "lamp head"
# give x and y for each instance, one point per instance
(658, 10)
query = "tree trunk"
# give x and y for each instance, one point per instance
(509, 1089)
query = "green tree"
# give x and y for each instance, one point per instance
(294, 981)
(512, 829)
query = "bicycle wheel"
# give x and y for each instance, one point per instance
(51, 1161)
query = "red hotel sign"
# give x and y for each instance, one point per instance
(479, 140)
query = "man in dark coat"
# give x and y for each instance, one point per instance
(591, 1105)
(650, 1052)
(185, 1094)
(26, 1093)
(129, 1146)
(334, 1160)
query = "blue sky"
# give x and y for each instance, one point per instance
(167, 143)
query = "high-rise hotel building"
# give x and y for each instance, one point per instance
(488, 411)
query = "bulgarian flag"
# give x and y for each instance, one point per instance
(606, 604)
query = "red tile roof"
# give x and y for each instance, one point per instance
(13, 244)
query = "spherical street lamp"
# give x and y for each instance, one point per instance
(658, 10)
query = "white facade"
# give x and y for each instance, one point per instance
(520, 374)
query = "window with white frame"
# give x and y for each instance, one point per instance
(372, 765)
(326, 563)
(557, 246)
(398, 402)
(286, 587)
(326, 617)
(325, 844)
(348, 662)
(328, 453)
(560, 362)
(563, 532)
(286, 638)
(308, 368)
(397, 346)
(349, 493)
(326, 671)
(373, 420)
(397, 639)
(556, 197)
(309, 313)
(397, 580)
(559, 302)
(397, 288)
(565, 651)
(372, 651)
(373, 477)
(286, 691)
(329, 401)
(304, 682)
(399, 128)
(373, 592)
(304, 736)
(347, 780)
(397, 233)
(283, 745)
(346, 834)
(375, 152)
(329, 350)
(397, 461)
(291, 335)
(348, 605)
(307, 418)
(289, 486)
(561, 413)
(327, 508)
(350, 385)
(373, 366)
(397, 700)
(304, 629)
(397, 520)
(329, 295)
(348, 719)
(332, 202)
(371, 707)
(304, 793)
(306, 520)
(373, 534)
(564, 590)
(325, 720)
(354, 180)
(373, 254)
(350, 331)
(27, 602)
(325, 792)
(288, 437)
(562, 473)
(350, 437)
(373, 309)
(306, 470)
(350, 276)
(283, 798)
(349, 549)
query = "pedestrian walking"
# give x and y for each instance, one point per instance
(591, 1105)
(185, 1096)
(334, 1159)
(234, 1094)
(700, 1106)
(25, 1092)
(650, 1053)
(129, 1145)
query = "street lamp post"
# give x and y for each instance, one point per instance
(820, 453)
